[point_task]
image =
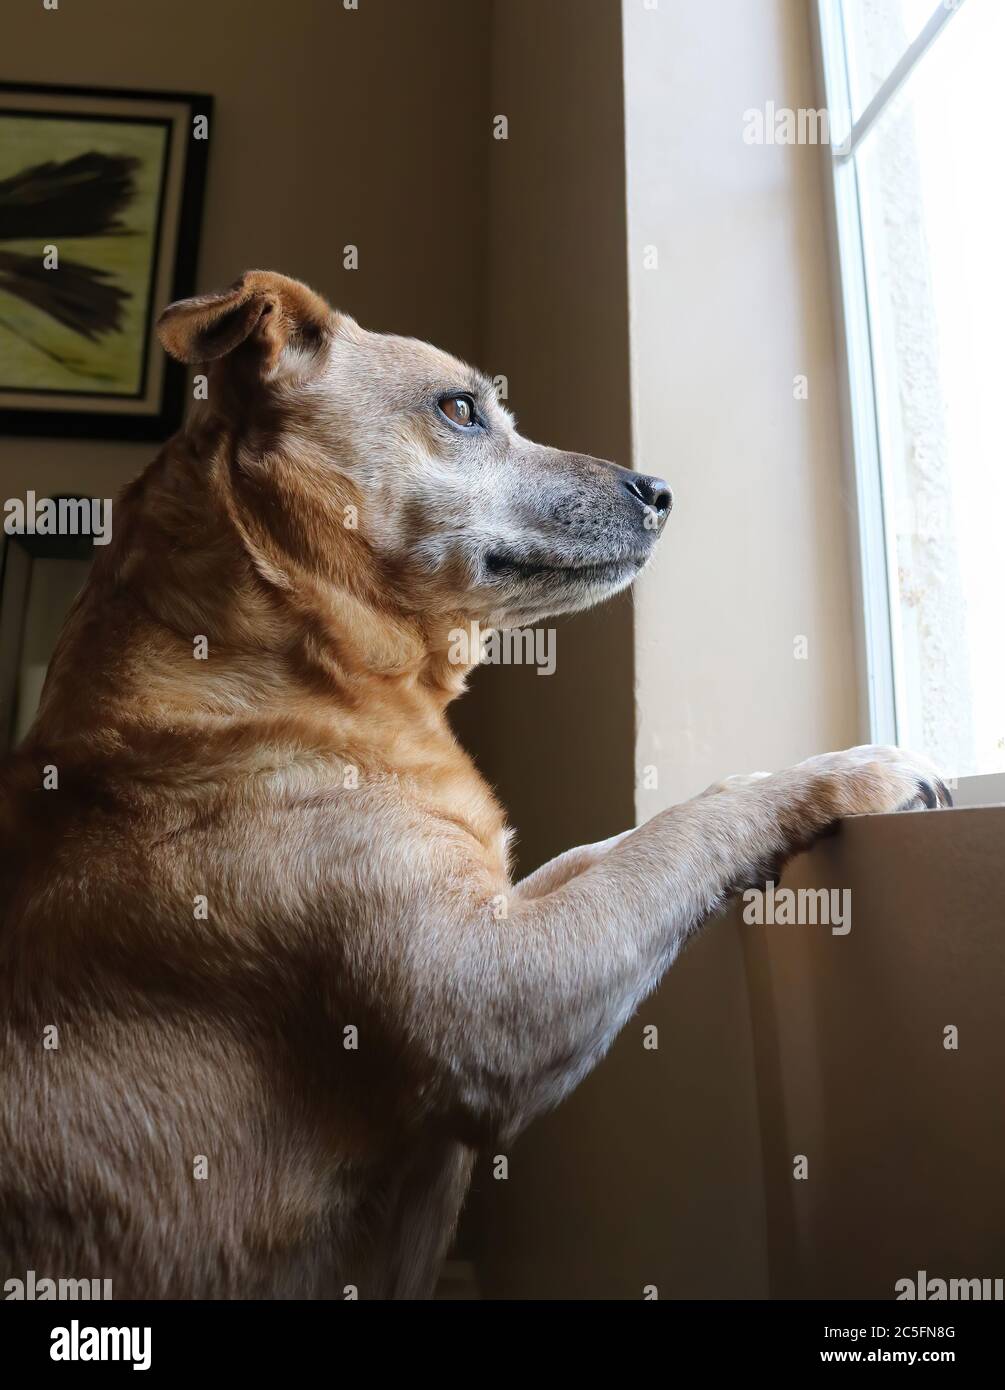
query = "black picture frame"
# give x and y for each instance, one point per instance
(178, 225)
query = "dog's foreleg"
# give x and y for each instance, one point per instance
(566, 866)
(523, 1007)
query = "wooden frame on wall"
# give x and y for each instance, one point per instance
(101, 194)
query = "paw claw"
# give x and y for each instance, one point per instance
(928, 794)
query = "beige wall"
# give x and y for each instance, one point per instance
(653, 1173)
(558, 748)
(675, 1168)
(758, 551)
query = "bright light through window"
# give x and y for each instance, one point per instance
(921, 208)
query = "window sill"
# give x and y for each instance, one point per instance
(878, 1052)
(985, 790)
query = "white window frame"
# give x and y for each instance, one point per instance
(872, 542)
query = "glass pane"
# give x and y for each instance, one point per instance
(876, 34)
(933, 211)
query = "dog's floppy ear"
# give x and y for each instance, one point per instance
(262, 310)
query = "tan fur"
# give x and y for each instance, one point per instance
(304, 781)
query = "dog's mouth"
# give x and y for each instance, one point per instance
(503, 565)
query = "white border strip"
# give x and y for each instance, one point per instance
(875, 618)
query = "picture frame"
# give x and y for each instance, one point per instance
(101, 194)
(34, 600)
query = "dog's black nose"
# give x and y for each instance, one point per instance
(653, 493)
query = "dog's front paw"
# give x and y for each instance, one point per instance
(861, 781)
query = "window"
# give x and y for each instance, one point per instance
(912, 90)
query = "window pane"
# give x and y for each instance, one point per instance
(933, 211)
(876, 34)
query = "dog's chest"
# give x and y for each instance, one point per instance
(465, 799)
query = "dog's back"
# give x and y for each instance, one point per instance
(179, 1068)
(173, 1082)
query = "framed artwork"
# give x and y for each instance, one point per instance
(34, 600)
(100, 206)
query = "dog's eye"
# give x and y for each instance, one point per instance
(459, 409)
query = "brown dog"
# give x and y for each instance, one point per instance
(266, 984)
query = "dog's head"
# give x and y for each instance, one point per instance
(455, 511)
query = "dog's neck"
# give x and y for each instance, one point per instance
(226, 610)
